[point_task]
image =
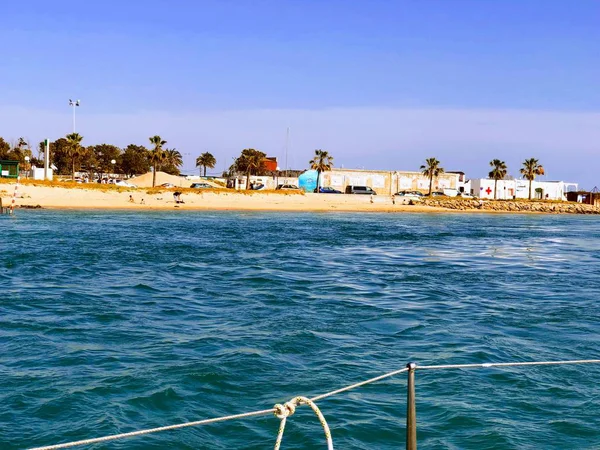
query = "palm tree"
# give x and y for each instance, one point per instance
(322, 162)
(156, 156)
(431, 169)
(206, 160)
(250, 161)
(497, 173)
(173, 157)
(74, 150)
(531, 168)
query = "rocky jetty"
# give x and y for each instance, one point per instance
(464, 204)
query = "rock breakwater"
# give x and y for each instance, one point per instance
(512, 206)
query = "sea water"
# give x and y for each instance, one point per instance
(117, 321)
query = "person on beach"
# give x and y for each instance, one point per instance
(131, 200)
(177, 197)
(142, 202)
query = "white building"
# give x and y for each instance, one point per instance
(511, 189)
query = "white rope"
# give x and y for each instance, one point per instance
(284, 410)
(515, 364)
(289, 408)
(264, 412)
(362, 383)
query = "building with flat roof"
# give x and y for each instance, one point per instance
(386, 182)
(511, 189)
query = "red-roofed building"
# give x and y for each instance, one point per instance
(271, 163)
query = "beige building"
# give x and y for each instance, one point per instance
(387, 182)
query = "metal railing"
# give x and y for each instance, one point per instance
(411, 410)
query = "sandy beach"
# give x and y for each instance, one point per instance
(111, 197)
(95, 196)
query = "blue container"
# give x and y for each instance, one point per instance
(308, 181)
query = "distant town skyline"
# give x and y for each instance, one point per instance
(379, 84)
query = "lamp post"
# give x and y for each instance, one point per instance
(27, 167)
(74, 105)
(113, 162)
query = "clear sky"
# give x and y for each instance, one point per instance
(380, 84)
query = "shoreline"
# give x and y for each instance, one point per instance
(81, 197)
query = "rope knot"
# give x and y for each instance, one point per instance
(286, 410)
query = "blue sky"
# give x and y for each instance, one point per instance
(380, 84)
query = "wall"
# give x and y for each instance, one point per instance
(386, 182)
(38, 173)
(269, 181)
(509, 189)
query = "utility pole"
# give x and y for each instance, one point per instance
(46, 157)
(287, 143)
(74, 105)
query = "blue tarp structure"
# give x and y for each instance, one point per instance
(308, 181)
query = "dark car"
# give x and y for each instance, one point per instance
(360, 190)
(438, 194)
(328, 190)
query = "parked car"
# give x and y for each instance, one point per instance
(465, 195)
(124, 183)
(328, 190)
(287, 187)
(167, 185)
(257, 187)
(438, 194)
(200, 186)
(411, 194)
(360, 190)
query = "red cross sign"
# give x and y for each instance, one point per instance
(488, 190)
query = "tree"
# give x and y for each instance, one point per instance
(322, 162)
(497, 173)
(431, 169)
(4, 149)
(59, 157)
(134, 160)
(103, 155)
(22, 143)
(206, 160)
(173, 161)
(18, 152)
(531, 168)
(74, 150)
(250, 162)
(157, 156)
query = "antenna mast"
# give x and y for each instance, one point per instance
(287, 143)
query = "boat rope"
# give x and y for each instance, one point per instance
(287, 409)
(511, 364)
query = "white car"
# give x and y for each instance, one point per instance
(287, 187)
(465, 195)
(124, 183)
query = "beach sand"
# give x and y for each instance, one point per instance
(110, 197)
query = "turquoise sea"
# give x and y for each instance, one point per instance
(117, 321)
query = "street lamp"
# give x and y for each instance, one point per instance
(27, 167)
(74, 104)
